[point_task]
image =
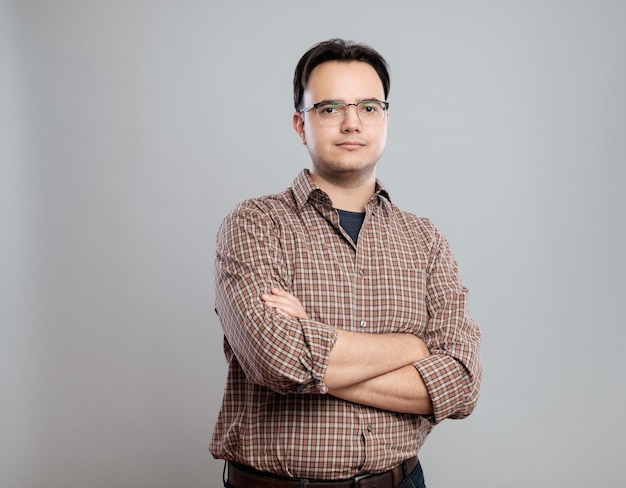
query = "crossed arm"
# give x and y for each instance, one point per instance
(370, 369)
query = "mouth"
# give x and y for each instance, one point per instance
(350, 145)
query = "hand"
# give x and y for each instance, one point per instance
(285, 304)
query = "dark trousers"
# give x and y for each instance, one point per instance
(414, 479)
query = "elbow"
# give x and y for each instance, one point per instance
(281, 378)
(465, 408)
(461, 409)
(261, 372)
(469, 400)
(461, 399)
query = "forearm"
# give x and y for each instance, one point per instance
(401, 390)
(358, 357)
(373, 369)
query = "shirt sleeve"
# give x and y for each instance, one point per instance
(452, 373)
(283, 354)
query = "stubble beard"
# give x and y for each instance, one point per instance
(344, 176)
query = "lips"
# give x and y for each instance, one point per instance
(351, 144)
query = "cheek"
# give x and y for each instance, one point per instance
(380, 140)
(314, 139)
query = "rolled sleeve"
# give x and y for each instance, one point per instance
(319, 340)
(452, 373)
(453, 389)
(283, 354)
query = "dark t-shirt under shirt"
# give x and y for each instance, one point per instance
(351, 222)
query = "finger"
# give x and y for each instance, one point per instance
(281, 293)
(274, 299)
(280, 311)
(284, 313)
(284, 301)
(271, 303)
(277, 294)
(286, 310)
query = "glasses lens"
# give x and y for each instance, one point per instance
(370, 112)
(331, 113)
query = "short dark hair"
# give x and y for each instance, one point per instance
(337, 50)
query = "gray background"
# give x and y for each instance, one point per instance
(129, 128)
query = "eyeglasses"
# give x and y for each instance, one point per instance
(333, 112)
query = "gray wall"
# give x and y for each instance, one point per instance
(129, 128)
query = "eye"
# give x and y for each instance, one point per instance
(329, 108)
(370, 107)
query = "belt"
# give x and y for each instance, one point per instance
(240, 476)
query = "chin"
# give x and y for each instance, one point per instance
(346, 168)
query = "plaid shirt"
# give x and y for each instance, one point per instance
(401, 277)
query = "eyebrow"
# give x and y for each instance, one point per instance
(342, 101)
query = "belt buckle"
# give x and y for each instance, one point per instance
(357, 479)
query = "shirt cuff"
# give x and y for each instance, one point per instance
(320, 339)
(446, 381)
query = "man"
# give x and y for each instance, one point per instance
(346, 326)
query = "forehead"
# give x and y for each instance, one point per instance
(347, 81)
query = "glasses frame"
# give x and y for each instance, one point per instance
(314, 106)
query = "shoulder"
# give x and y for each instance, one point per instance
(413, 223)
(265, 205)
(263, 211)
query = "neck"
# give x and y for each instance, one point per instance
(350, 194)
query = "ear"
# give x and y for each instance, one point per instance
(298, 125)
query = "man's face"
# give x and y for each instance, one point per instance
(351, 148)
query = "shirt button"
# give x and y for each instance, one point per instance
(369, 427)
(361, 271)
(363, 323)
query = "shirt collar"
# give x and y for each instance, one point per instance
(305, 190)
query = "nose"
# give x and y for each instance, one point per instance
(351, 121)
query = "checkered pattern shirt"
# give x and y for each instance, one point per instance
(276, 415)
